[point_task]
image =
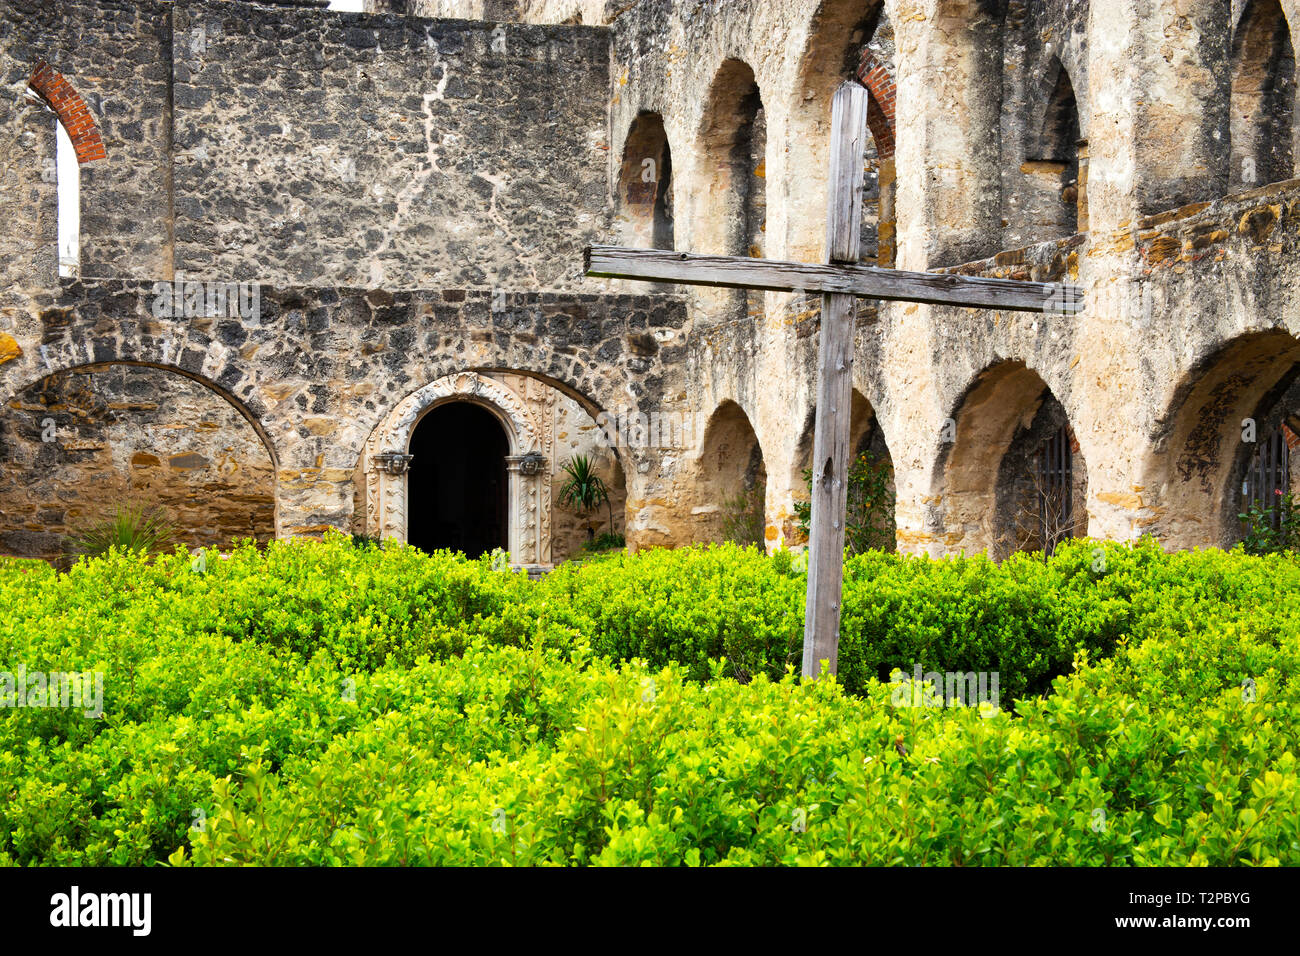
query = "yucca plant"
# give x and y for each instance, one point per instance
(131, 528)
(584, 490)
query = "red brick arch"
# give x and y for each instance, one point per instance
(71, 110)
(880, 117)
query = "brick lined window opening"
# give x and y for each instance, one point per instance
(878, 200)
(880, 115)
(77, 141)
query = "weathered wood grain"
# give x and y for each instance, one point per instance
(737, 272)
(821, 636)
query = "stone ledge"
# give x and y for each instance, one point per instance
(1049, 261)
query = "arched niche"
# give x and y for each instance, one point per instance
(1262, 122)
(730, 493)
(645, 185)
(1013, 475)
(1054, 163)
(846, 39)
(866, 437)
(730, 207)
(1233, 400)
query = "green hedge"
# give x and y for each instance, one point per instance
(320, 702)
(1024, 618)
(509, 756)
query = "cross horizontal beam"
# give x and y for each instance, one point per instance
(738, 272)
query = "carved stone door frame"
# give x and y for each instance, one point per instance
(387, 459)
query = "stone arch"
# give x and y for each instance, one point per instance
(731, 138)
(1052, 161)
(993, 491)
(602, 403)
(729, 215)
(1059, 131)
(836, 50)
(645, 197)
(112, 323)
(729, 497)
(865, 435)
(1200, 451)
(247, 412)
(385, 459)
(175, 441)
(1262, 125)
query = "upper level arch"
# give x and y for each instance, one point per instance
(731, 188)
(644, 194)
(1050, 202)
(1262, 112)
(837, 49)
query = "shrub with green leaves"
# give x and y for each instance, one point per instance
(525, 756)
(1272, 527)
(329, 703)
(869, 506)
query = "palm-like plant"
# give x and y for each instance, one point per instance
(130, 529)
(585, 490)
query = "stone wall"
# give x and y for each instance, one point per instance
(303, 146)
(590, 12)
(1191, 323)
(316, 371)
(322, 148)
(117, 55)
(77, 445)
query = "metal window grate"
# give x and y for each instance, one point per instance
(1055, 480)
(1267, 475)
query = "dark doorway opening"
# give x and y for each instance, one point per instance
(456, 493)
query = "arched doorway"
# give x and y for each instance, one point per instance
(1013, 474)
(1219, 446)
(871, 495)
(542, 429)
(458, 490)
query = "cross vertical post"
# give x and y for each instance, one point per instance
(835, 385)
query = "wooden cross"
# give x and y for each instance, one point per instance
(841, 281)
